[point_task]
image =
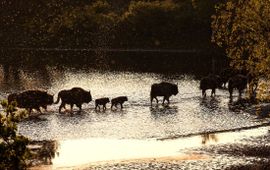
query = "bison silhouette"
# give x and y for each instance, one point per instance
(238, 82)
(164, 89)
(75, 96)
(118, 100)
(31, 99)
(210, 82)
(226, 74)
(101, 101)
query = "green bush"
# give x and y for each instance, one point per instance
(13, 147)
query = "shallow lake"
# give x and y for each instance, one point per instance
(187, 114)
(137, 122)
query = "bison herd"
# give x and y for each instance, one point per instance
(36, 99)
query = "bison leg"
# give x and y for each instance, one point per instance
(231, 92)
(104, 107)
(167, 98)
(38, 109)
(60, 107)
(152, 100)
(79, 106)
(163, 100)
(29, 110)
(121, 105)
(71, 107)
(203, 93)
(111, 106)
(240, 93)
(45, 107)
(213, 92)
(156, 99)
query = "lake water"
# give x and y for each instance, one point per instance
(188, 112)
(137, 124)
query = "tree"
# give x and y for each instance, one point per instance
(242, 28)
(13, 147)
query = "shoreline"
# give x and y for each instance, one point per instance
(210, 153)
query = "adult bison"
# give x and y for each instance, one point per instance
(210, 82)
(76, 96)
(239, 82)
(226, 74)
(164, 89)
(31, 99)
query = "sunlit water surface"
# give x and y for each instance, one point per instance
(94, 151)
(138, 124)
(187, 113)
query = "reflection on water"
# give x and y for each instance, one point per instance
(131, 132)
(207, 138)
(211, 103)
(43, 152)
(15, 77)
(187, 113)
(158, 110)
(93, 150)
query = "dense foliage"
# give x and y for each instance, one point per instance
(106, 23)
(242, 27)
(13, 150)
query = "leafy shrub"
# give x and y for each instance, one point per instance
(13, 147)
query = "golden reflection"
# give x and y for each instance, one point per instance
(208, 138)
(94, 150)
(43, 151)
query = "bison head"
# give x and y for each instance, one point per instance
(125, 98)
(88, 97)
(107, 100)
(219, 81)
(49, 99)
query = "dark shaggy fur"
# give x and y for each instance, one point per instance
(75, 96)
(118, 100)
(210, 82)
(163, 89)
(101, 101)
(239, 82)
(31, 99)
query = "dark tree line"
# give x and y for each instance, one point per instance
(106, 24)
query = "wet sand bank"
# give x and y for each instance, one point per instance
(250, 150)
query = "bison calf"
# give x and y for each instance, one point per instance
(118, 100)
(163, 89)
(101, 101)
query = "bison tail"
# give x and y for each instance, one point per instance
(151, 93)
(201, 85)
(58, 99)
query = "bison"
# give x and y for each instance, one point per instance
(164, 89)
(226, 74)
(118, 100)
(76, 96)
(210, 82)
(101, 101)
(31, 99)
(239, 82)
